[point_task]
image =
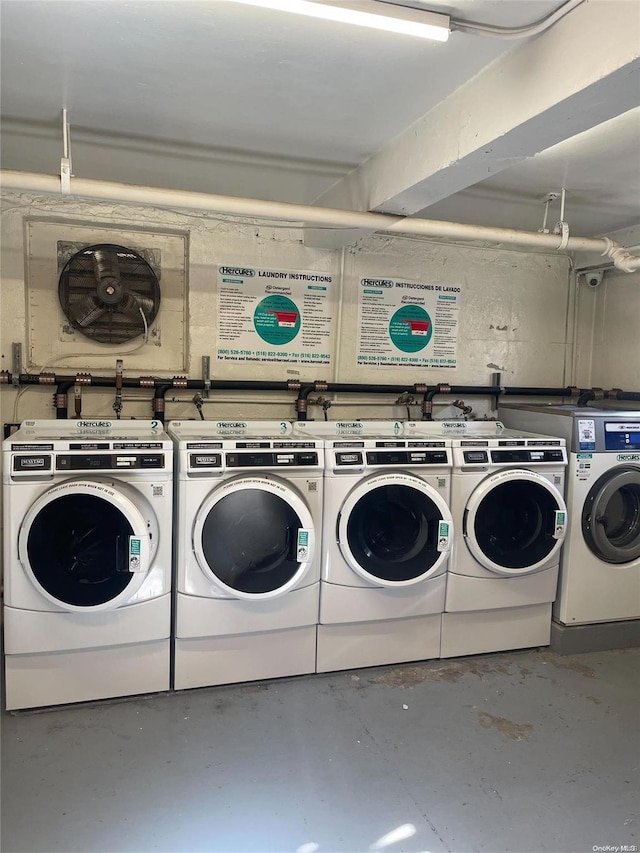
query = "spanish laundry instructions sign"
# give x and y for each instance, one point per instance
(407, 323)
(268, 315)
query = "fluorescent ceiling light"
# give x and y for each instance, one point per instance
(367, 13)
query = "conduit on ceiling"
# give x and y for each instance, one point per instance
(515, 32)
(86, 188)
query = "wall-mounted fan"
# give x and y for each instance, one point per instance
(105, 290)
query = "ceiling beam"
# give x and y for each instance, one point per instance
(581, 72)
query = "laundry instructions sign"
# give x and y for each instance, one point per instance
(407, 323)
(274, 315)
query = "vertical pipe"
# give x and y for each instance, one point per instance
(158, 401)
(61, 399)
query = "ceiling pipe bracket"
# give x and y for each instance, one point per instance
(65, 162)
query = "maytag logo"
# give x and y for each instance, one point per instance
(32, 463)
(94, 424)
(628, 457)
(231, 425)
(243, 271)
(376, 282)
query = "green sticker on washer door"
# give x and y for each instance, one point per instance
(560, 524)
(135, 548)
(302, 550)
(444, 532)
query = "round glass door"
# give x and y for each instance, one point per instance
(85, 546)
(514, 522)
(394, 530)
(254, 537)
(611, 516)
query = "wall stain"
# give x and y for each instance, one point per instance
(568, 663)
(511, 730)
(451, 671)
(593, 699)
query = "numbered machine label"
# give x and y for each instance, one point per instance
(302, 550)
(135, 548)
(560, 524)
(444, 535)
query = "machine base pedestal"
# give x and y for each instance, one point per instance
(482, 631)
(58, 678)
(597, 637)
(208, 661)
(364, 644)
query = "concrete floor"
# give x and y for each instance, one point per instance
(513, 752)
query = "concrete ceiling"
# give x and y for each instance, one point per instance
(221, 97)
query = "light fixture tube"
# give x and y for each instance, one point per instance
(367, 13)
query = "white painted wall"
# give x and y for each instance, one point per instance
(608, 326)
(514, 310)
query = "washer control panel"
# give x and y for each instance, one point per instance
(108, 461)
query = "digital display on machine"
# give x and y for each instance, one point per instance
(402, 457)
(270, 460)
(108, 461)
(622, 436)
(527, 456)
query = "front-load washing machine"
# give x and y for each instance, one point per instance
(87, 560)
(507, 504)
(249, 511)
(387, 532)
(600, 568)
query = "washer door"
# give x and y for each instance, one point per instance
(86, 545)
(611, 516)
(254, 537)
(394, 530)
(514, 522)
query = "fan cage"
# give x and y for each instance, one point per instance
(104, 291)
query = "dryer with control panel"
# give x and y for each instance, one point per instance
(600, 570)
(507, 504)
(87, 560)
(248, 519)
(387, 534)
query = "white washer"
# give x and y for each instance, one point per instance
(507, 504)
(87, 560)
(249, 511)
(387, 533)
(600, 569)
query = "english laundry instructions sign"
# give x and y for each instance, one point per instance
(267, 315)
(407, 323)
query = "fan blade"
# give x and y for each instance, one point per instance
(86, 311)
(133, 303)
(106, 266)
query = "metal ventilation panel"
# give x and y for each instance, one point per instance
(53, 340)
